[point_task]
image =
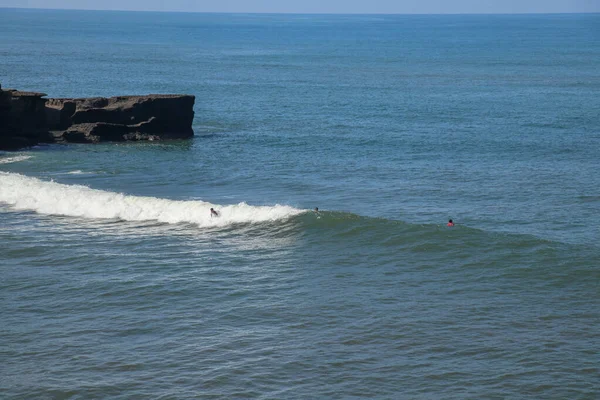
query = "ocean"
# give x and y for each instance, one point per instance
(115, 282)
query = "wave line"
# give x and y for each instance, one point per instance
(32, 194)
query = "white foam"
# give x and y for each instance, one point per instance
(26, 193)
(14, 159)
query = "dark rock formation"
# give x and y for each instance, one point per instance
(27, 118)
(22, 119)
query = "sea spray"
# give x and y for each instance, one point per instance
(26, 193)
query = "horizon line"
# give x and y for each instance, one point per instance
(297, 13)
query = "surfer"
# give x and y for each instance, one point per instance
(317, 213)
(213, 213)
(450, 223)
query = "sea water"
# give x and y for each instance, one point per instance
(115, 282)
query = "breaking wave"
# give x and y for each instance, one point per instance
(14, 159)
(26, 193)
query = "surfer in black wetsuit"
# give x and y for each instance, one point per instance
(213, 213)
(317, 213)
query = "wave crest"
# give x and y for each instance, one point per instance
(14, 159)
(26, 193)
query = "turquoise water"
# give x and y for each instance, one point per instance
(116, 283)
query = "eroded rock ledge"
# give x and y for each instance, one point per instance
(27, 118)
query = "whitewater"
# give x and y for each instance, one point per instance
(47, 197)
(14, 159)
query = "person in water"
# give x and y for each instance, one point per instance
(213, 213)
(450, 223)
(317, 210)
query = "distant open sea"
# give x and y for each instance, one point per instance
(115, 283)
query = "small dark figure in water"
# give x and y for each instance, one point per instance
(317, 210)
(213, 213)
(450, 223)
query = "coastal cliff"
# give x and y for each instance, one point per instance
(28, 118)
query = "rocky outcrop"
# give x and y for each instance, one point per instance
(28, 118)
(22, 119)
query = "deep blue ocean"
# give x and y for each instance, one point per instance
(116, 283)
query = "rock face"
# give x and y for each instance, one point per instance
(27, 118)
(22, 119)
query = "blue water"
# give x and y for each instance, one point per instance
(116, 283)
